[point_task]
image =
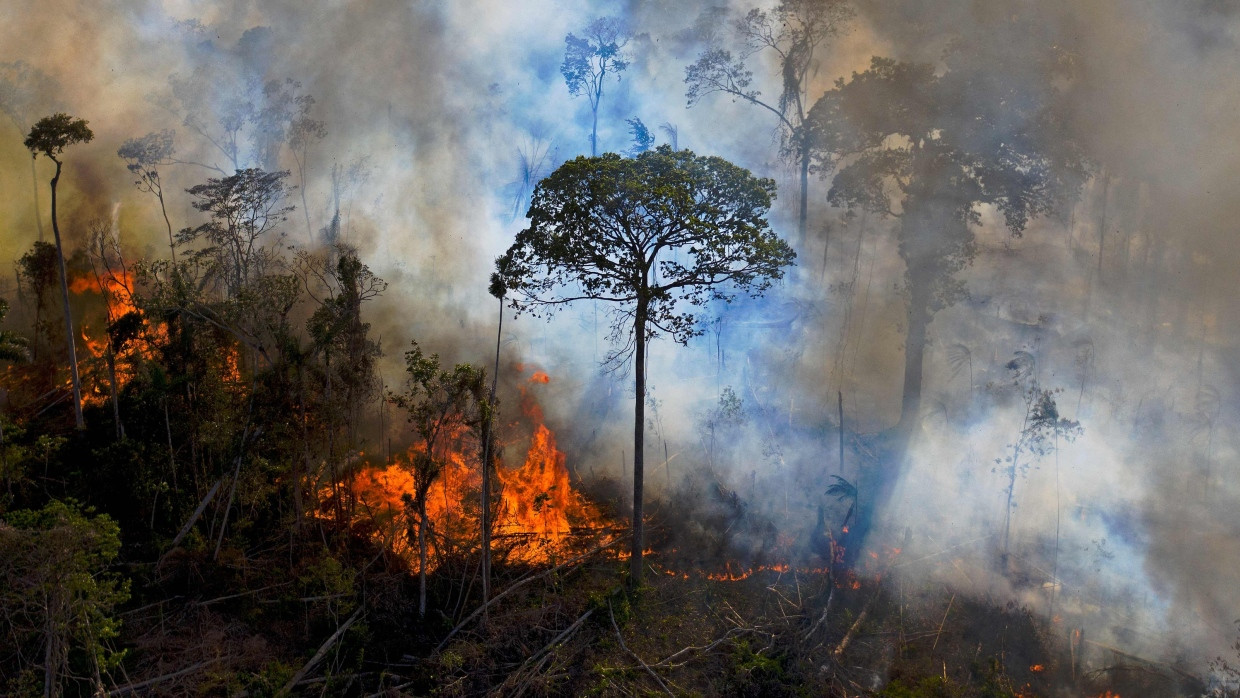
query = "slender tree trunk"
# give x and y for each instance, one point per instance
(64, 294)
(914, 357)
(840, 396)
(639, 433)
(486, 466)
(1102, 223)
(51, 686)
(594, 134)
(34, 179)
(305, 209)
(172, 245)
(803, 218)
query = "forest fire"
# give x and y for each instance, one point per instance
(537, 511)
(110, 349)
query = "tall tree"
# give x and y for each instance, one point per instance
(930, 150)
(589, 59)
(659, 235)
(50, 136)
(38, 270)
(793, 31)
(13, 347)
(643, 139)
(143, 157)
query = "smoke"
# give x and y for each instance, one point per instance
(1122, 301)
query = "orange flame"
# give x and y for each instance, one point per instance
(117, 292)
(538, 510)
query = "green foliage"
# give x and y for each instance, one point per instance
(756, 672)
(439, 403)
(590, 58)
(929, 687)
(643, 139)
(268, 682)
(13, 347)
(143, 155)
(930, 149)
(38, 270)
(55, 590)
(243, 208)
(842, 489)
(665, 230)
(52, 134)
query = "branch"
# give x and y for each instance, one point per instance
(518, 585)
(202, 506)
(318, 656)
(130, 688)
(633, 654)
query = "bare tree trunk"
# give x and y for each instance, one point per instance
(1102, 223)
(594, 128)
(803, 217)
(486, 466)
(34, 179)
(639, 433)
(64, 293)
(840, 395)
(172, 245)
(914, 357)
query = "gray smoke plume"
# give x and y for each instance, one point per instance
(438, 116)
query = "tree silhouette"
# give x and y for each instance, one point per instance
(143, 157)
(50, 136)
(589, 59)
(244, 208)
(792, 32)
(659, 236)
(930, 150)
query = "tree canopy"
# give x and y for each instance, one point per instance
(933, 149)
(590, 58)
(792, 31)
(52, 134)
(658, 235)
(667, 228)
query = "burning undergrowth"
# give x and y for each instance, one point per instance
(538, 515)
